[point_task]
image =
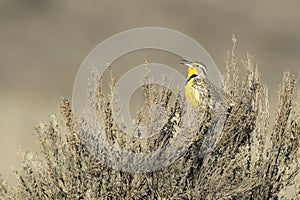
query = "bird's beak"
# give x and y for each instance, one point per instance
(186, 63)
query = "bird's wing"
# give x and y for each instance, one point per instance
(217, 94)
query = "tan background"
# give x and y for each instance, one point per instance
(42, 44)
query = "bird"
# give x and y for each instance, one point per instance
(209, 99)
(201, 93)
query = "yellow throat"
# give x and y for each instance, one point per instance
(190, 92)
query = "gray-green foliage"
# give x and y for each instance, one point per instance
(251, 159)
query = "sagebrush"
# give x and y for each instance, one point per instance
(252, 159)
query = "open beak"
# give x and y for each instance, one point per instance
(186, 63)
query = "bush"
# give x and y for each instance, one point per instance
(251, 159)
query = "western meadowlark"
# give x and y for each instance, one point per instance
(201, 93)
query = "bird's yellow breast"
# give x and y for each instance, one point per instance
(191, 94)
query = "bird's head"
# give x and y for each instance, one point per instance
(195, 67)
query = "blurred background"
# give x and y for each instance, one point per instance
(42, 44)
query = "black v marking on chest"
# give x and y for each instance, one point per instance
(193, 76)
